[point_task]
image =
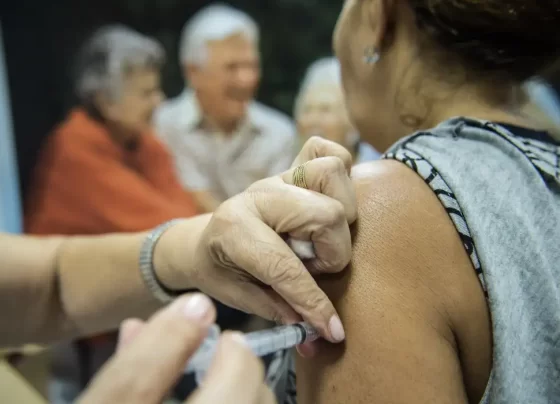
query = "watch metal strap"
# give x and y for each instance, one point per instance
(147, 269)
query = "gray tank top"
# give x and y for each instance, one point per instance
(500, 186)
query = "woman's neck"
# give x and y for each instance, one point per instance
(488, 113)
(124, 138)
(472, 104)
(471, 107)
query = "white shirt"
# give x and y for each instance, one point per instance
(225, 164)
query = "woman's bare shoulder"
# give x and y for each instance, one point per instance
(402, 300)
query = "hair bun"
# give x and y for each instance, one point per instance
(517, 36)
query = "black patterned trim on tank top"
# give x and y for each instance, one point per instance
(447, 198)
(543, 155)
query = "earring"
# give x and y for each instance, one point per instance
(371, 55)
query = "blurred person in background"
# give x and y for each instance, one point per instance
(102, 170)
(543, 105)
(320, 110)
(222, 139)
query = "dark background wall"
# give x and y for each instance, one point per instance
(41, 38)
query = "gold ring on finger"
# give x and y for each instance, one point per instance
(299, 176)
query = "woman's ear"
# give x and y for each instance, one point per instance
(379, 13)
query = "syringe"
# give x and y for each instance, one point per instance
(261, 343)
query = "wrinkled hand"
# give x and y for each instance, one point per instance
(244, 261)
(151, 357)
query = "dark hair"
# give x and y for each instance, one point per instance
(516, 37)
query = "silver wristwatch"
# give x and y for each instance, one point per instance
(147, 270)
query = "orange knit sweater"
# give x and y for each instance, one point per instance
(85, 183)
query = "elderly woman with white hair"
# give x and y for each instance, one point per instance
(102, 170)
(320, 110)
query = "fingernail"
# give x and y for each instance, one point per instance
(197, 307)
(336, 329)
(239, 338)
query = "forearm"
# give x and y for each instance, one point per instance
(99, 285)
(65, 287)
(25, 282)
(70, 286)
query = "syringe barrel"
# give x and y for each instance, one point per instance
(261, 343)
(268, 341)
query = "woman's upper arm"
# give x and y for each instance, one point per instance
(402, 301)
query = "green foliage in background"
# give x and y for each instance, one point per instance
(293, 34)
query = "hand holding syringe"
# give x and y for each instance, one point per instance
(263, 342)
(260, 342)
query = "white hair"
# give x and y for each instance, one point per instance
(108, 54)
(213, 23)
(321, 73)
